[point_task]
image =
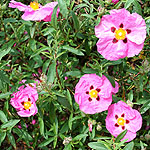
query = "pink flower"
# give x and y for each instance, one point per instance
(120, 117)
(33, 121)
(66, 77)
(115, 1)
(94, 93)
(35, 11)
(24, 100)
(120, 34)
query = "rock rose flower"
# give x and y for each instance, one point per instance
(120, 34)
(94, 93)
(35, 11)
(120, 117)
(24, 100)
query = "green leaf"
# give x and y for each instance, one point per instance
(2, 136)
(73, 73)
(112, 81)
(129, 146)
(128, 3)
(45, 66)
(3, 95)
(10, 124)
(3, 117)
(46, 142)
(11, 139)
(79, 137)
(41, 122)
(63, 8)
(54, 17)
(120, 136)
(4, 52)
(69, 97)
(145, 107)
(137, 7)
(63, 101)
(97, 146)
(23, 134)
(51, 73)
(75, 20)
(73, 50)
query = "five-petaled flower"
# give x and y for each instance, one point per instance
(35, 11)
(94, 93)
(120, 117)
(24, 100)
(120, 34)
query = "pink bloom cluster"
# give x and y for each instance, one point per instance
(120, 117)
(24, 100)
(120, 34)
(35, 11)
(94, 93)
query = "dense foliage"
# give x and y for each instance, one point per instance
(58, 54)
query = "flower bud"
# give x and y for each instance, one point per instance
(67, 140)
(129, 103)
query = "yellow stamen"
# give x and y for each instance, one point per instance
(27, 105)
(93, 93)
(121, 121)
(34, 5)
(120, 34)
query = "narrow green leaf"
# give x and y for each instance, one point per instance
(79, 137)
(3, 117)
(46, 142)
(45, 66)
(41, 122)
(129, 146)
(11, 139)
(145, 107)
(3, 95)
(4, 52)
(141, 83)
(10, 124)
(51, 73)
(97, 146)
(120, 136)
(128, 3)
(63, 101)
(69, 97)
(75, 20)
(54, 17)
(63, 8)
(73, 73)
(112, 81)
(137, 7)
(73, 50)
(2, 136)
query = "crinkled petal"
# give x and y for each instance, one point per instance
(95, 106)
(134, 49)
(110, 50)
(19, 5)
(138, 29)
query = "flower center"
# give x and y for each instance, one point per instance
(120, 34)
(34, 5)
(27, 105)
(93, 93)
(121, 121)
